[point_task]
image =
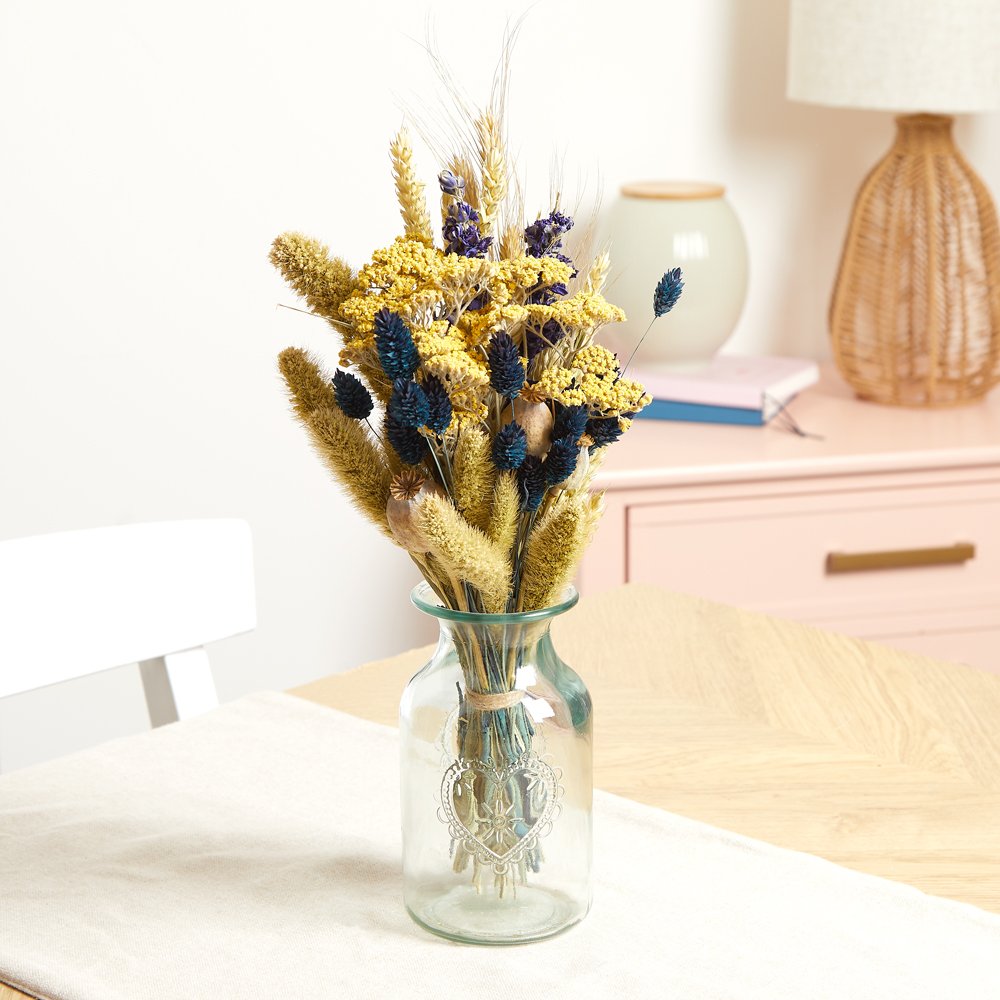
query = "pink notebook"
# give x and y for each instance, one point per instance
(732, 381)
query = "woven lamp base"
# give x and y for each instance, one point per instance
(915, 316)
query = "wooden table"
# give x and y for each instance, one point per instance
(876, 759)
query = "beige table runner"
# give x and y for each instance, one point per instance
(254, 852)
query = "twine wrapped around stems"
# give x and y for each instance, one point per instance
(493, 701)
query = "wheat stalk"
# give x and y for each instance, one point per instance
(598, 273)
(409, 191)
(494, 171)
(512, 242)
(462, 167)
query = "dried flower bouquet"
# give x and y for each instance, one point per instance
(471, 406)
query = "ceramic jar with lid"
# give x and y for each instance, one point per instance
(657, 225)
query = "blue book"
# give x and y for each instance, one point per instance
(702, 413)
(727, 390)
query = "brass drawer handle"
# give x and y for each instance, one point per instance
(854, 562)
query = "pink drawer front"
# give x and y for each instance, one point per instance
(770, 553)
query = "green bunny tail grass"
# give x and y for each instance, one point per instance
(502, 527)
(355, 459)
(308, 387)
(555, 548)
(473, 477)
(323, 281)
(465, 552)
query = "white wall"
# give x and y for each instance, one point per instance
(151, 152)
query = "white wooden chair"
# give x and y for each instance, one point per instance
(78, 602)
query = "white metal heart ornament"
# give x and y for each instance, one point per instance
(498, 813)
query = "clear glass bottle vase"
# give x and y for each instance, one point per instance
(496, 780)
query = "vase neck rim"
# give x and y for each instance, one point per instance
(425, 600)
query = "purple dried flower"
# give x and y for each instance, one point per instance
(479, 302)
(551, 333)
(461, 232)
(544, 236)
(545, 295)
(451, 183)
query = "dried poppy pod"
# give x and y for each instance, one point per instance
(536, 419)
(408, 488)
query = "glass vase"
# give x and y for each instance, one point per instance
(496, 780)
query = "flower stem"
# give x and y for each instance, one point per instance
(636, 348)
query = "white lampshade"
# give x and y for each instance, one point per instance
(896, 55)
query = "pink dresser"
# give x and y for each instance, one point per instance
(766, 520)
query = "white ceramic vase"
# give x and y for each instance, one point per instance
(658, 225)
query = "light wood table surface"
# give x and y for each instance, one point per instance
(877, 759)
(873, 758)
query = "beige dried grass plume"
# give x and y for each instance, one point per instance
(506, 512)
(308, 388)
(555, 548)
(472, 485)
(465, 552)
(322, 280)
(356, 461)
(342, 443)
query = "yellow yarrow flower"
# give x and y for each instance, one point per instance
(424, 285)
(467, 381)
(438, 339)
(480, 326)
(602, 392)
(597, 360)
(524, 274)
(560, 384)
(409, 278)
(584, 313)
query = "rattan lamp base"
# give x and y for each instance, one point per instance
(915, 316)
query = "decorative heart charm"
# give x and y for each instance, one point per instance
(499, 813)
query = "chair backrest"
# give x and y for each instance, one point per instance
(77, 602)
